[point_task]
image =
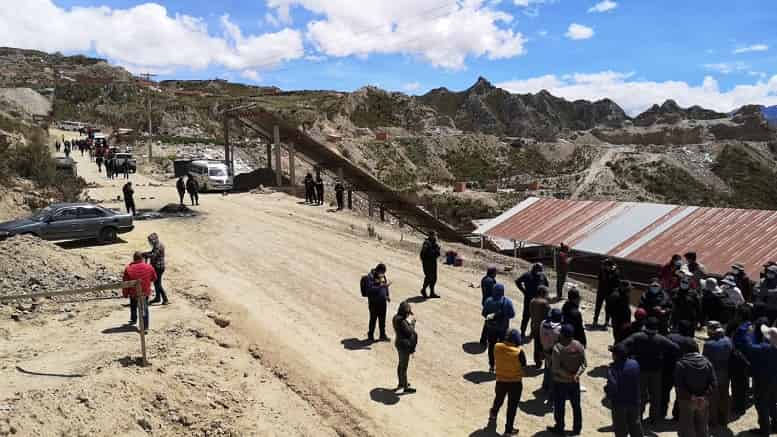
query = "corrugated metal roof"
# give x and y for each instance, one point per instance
(644, 232)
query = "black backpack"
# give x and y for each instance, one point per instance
(364, 285)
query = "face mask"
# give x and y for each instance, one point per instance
(678, 263)
(685, 285)
(654, 290)
(770, 275)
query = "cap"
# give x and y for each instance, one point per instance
(714, 327)
(728, 281)
(568, 331)
(772, 268)
(514, 337)
(738, 267)
(651, 324)
(640, 314)
(556, 315)
(538, 266)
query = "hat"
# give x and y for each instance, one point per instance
(514, 337)
(640, 314)
(567, 331)
(499, 289)
(710, 283)
(772, 268)
(715, 328)
(556, 315)
(738, 266)
(651, 324)
(538, 266)
(728, 281)
(770, 334)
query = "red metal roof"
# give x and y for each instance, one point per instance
(645, 232)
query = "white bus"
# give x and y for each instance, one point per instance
(211, 175)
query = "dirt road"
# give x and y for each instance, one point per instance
(287, 276)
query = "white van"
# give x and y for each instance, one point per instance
(211, 175)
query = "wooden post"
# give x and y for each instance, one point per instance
(340, 174)
(515, 254)
(370, 206)
(292, 172)
(278, 166)
(269, 156)
(141, 323)
(350, 199)
(382, 213)
(227, 158)
(482, 242)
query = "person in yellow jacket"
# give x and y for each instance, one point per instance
(510, 362)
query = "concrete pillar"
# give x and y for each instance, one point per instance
(292, 172)
(278, 164)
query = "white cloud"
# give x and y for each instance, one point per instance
(144, 36)
(727, 67)
(635, 96)
(752, 48)
(411, 87)
(252, 75)
(578, 32)
(443, 35)
(603, 6)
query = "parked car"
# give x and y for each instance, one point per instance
(120, 158)
(71, 221)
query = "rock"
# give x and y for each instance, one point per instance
(221, 321)
(145, 424)
(255, 352)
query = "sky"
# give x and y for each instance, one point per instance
(720, 54)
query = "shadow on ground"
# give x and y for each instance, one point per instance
(385, 396)
(354, 344)
(473, 348)
(80, 244)
(479, 377)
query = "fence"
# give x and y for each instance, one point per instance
(118, 285)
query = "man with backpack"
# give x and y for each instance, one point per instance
(375, 287)
(498, 310)
(695, 380)
(486, 288)
(549, 333)
(430, 251)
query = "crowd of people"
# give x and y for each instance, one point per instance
(708, 339)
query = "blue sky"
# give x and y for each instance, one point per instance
(719, 54)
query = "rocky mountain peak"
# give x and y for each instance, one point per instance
(670, 106)
(482, 86)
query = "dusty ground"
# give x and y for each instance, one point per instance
(286, 276)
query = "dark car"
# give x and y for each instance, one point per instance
(120, 158)
(71, 221)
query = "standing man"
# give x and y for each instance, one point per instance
(609, 279)
(539, 307)
(762, 353)
(650, 350)
(378, 298)
(695, 383)
(125, 168)
(568, 364)
(529, 284)
(157, 259)
(573, 316)
(193, 188)
(718, 349)
(619, 306)
(309, 188)
(140, 271)
(430, 251)
(129, 198)
(743, 281)
(339, 189)
(180, 186)
(510, 362)
(563, 260)
(498, 310)
(696, 268)
(486, 290)
(320, 189)
(624, 393)
(406, 342)
(550, 330)
(686, 304)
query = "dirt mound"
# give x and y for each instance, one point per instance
(31, 265)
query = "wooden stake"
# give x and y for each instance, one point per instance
(141, 323)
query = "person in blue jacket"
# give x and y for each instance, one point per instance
(623, 391)
(762, 352)
(378, 297)
(498, 310)
(529, 283)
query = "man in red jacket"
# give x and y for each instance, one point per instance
(145, 273)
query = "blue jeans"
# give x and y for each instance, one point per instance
(134, 310)
(563, 391)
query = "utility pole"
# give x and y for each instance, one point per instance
(147, 77)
